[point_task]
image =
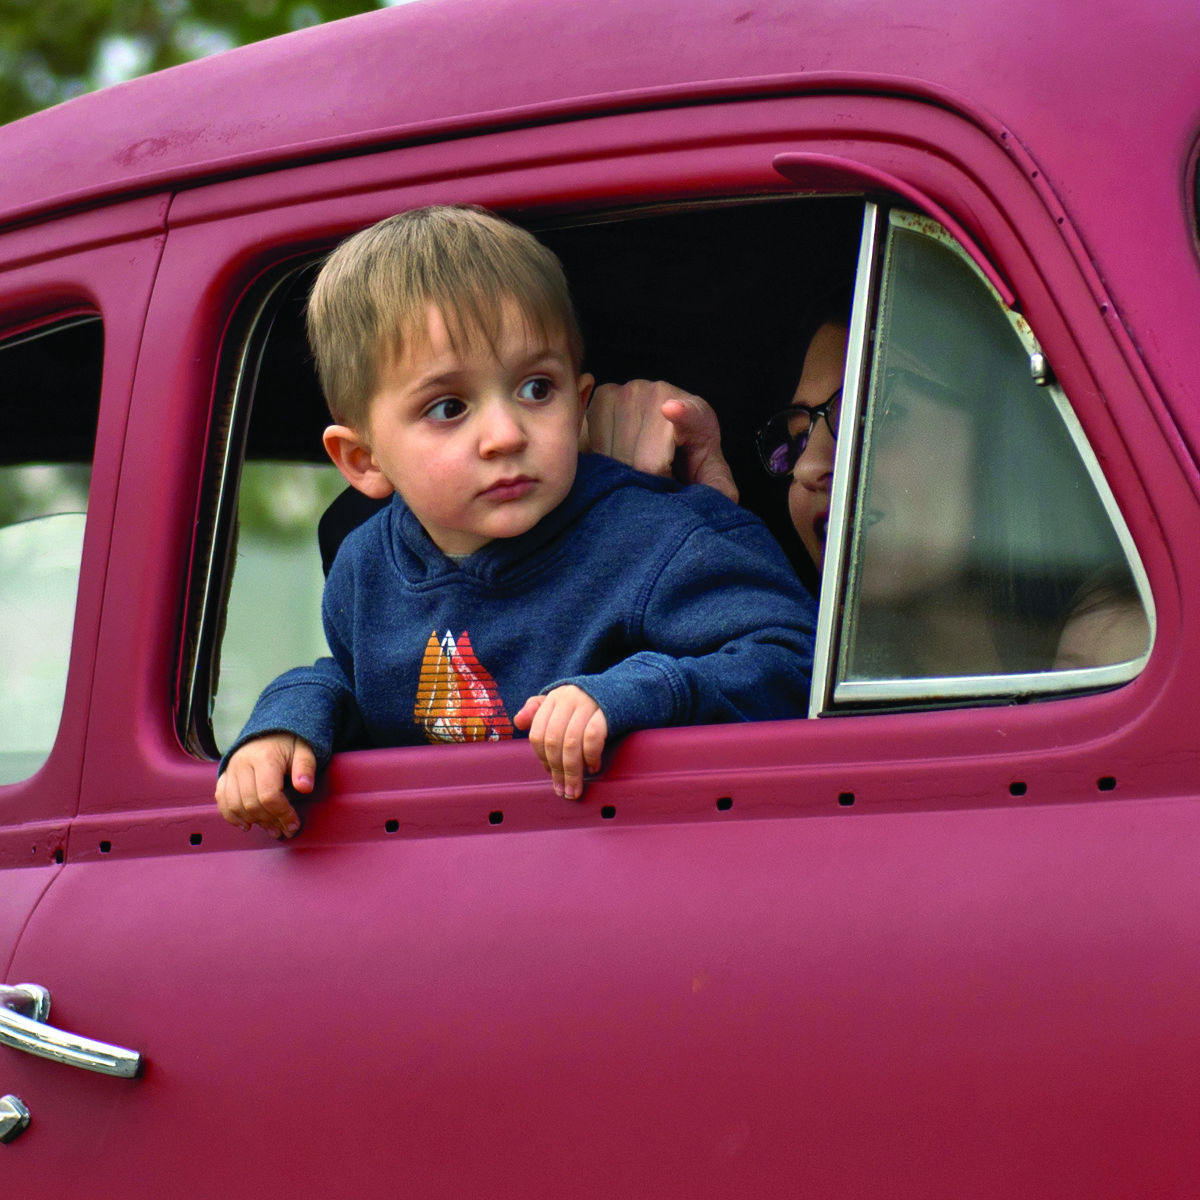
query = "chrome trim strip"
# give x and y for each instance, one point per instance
(977, 687)
(35, 1037)
(47, 330)
(845, 461)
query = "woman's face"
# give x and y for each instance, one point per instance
(918, 500)
(808, 495)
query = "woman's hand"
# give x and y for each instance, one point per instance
(659, 429)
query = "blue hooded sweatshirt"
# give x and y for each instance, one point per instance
(668, 606)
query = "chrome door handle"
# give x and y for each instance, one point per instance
(23, 1012)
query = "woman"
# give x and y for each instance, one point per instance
(661, 429)
(939, 589)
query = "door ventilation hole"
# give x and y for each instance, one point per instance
(392, 826)
(845, 799)
(608, 812)
(1017, 788)
(494, 818)
(58, 855)
(196, 839)
(724, 804)
(105, 847)
(1106, 783)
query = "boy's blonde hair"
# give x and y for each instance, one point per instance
(370, 299)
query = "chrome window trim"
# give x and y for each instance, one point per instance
(968, 687)
(50, 328)
(845, 462)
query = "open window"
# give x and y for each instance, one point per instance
(956, 584)
(51, 401)
(713, 297)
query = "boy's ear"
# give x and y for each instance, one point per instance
(352, 456)
(586, 384)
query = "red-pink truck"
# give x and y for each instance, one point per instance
(938, 936)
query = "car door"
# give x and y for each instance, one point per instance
(73, 295)
(935, 942)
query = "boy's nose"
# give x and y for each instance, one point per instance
(502, 431)
(814, 468)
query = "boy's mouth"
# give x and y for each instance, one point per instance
(508, 489)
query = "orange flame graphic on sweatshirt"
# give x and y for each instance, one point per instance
(457, 699)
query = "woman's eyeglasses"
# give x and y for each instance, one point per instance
(783, 439)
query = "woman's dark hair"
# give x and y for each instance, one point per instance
(831, 307)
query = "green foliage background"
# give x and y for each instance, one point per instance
(52, 50)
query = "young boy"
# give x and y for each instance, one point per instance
(509, 574)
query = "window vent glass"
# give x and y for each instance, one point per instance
(986, 549)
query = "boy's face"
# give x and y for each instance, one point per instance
(480, 444)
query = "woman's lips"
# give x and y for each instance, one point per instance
(509, 489)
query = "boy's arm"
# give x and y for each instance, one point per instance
(315, 704)
(296, 724)
(729, 631)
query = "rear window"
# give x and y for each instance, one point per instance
(51, 398)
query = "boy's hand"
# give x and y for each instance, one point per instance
(655, 426)
(250, 789)
(568, 730)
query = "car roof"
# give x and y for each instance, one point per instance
(1070, 83)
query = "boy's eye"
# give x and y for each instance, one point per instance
(537, 389)
(446, 409)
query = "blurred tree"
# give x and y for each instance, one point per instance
(51, 50)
